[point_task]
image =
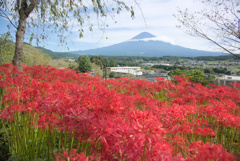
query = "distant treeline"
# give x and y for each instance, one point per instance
(216, 58)
(168, 68)
(184, 68)
(172, 58)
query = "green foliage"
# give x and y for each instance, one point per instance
(177, 72)
(112, 63)
(168, 68)
(102, 63)
(198, 77)
(171, 58)
(85, 64)
(73, 65)
(4, 145)
(207, 70)
(217, 58)
(116, 60)
(105, 62)
(61, 63)
(112, 75)
(128, 63)
(195, 76)
(221, 71)
(96, 70)
(34, 56)
(31, 55)
(97, 60)
(6, 49)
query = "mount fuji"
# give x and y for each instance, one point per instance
(146, 44)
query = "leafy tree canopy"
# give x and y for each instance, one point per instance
(57, 16)
(97, 60)
(85, 64)
(61, 15)
(112, 63)
(105, 62)
(112, 75)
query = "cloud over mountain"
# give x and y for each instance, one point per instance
(145, 36)
(147, 44)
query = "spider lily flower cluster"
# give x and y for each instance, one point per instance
(58, 114)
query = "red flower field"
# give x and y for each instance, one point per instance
(58, 114)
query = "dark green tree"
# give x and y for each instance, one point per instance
(208, 71)
(198, 77)
(195, 76)
(112, 63)
(221, 71)
(105, 62)
(112, 75)
(97, 60)
(177, 72)
(85, 64)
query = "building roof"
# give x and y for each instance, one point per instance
(229, 77)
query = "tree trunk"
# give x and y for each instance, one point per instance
(24, 12)
(17, 59)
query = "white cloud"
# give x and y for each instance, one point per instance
(161, 38)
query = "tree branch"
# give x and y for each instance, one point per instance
(30, 7)
(225, 28)
(206, 37)
(6, 17)
(141, 12)
(200, 33)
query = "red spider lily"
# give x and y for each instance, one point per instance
(72, 156)
(204, 132)
(123, 119)
(47, 120)
(209, 151)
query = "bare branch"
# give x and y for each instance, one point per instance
(220, 25)
(221, 46)
(30, 7)
(141, 13)
(6, 16)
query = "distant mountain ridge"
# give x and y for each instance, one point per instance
(149, 48)
(57, 55)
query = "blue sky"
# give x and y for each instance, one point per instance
(158, 19)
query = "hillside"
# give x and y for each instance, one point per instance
(31, 55)
(58, 55)
(36, 56)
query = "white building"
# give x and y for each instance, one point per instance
(126, 70)
(227, 79)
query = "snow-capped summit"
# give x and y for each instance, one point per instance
(143, 35)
